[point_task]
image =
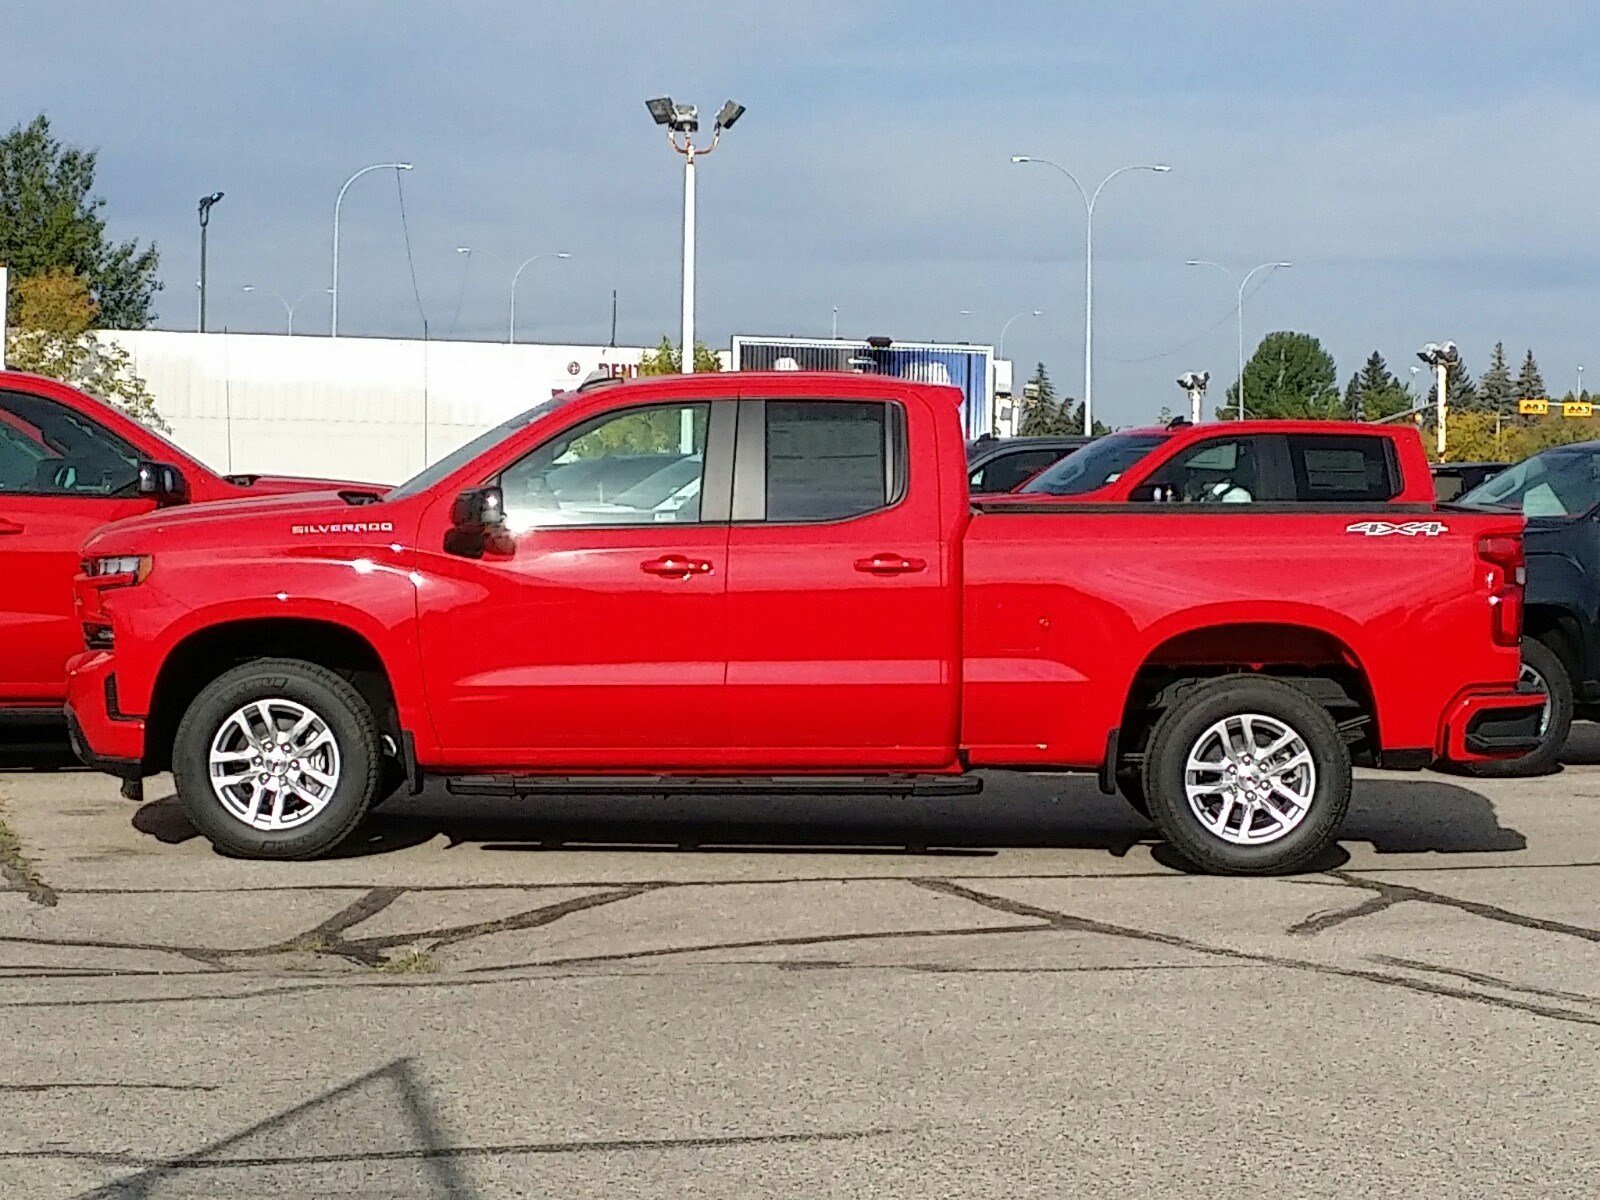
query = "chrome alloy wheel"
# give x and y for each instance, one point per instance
(1250, 779)
(274, 764)
(1529, 675)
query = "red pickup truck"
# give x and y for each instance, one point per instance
(68, 465)
(757, 582)
(1244, 462)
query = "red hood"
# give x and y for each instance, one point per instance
(285, 485)
(266, 519)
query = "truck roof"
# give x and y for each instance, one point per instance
(1262, 425)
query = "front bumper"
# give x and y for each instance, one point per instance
(101, 736)
(1492, 725)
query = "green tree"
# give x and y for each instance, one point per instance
(1043, 415)
(1461, 392)
(667, 359)
(1495, 390)
(1289, 375)
(1529, 384)
(54, 336)
(1373, 392)
(51, 221)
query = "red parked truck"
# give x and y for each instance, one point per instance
(68, 465)
(794, 591)
(1243, 462)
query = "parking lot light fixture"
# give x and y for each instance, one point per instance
(1239, 307)
(511, 332)
(337, 204)
(682, 122)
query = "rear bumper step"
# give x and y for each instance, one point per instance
(732, 785)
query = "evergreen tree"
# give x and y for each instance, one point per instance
(1495, 392)
(50, 222)
(1374, 392)
(1461, 393)
(1042, 414)
(1529, 384)
(1289, 375)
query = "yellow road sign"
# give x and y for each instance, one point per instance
(1533, 408)
(1577, 408)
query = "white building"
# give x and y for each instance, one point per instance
(376, 409)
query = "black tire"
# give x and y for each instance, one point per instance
(1552, 668)
(1130, 783)
(1185, 723)
(340, 707)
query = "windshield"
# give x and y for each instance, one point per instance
(484, 442)
(1097, 464)
(1557, 483)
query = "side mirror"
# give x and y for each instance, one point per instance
(480, 509)
(162, 483)
(477, 525)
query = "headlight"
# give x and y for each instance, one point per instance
(123, 568)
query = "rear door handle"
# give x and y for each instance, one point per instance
(10, 527)
(676, 566)
(890, 564)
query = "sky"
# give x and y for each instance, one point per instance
(1429, 169)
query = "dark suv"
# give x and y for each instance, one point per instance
(999, 464)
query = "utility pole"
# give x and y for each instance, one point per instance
(1441, 356)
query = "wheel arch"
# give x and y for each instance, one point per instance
(1306, 656)
(205, 654)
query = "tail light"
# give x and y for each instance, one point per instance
(1508, 573)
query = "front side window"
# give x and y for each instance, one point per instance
(1220, 471)
(1100, 463)
(643, 466)
(47, 448)
(1342, 469)
(1557, 483)
(828, 460)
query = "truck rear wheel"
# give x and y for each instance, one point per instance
(1247, 776)
(1547, 671)
(277, 759)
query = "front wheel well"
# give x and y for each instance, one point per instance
(207, 654)
(1309, 659)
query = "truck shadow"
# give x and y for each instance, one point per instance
(1395, 815)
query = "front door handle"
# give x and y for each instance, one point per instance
(890, 564)
(676, 566)
(10, 527)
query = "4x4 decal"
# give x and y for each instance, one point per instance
(1403, 528)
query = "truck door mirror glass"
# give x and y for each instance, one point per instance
(478, 525)
(162, 483)
(480, 509)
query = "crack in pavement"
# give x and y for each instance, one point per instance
(1387, 894)
(1412, 964)
(1065, 922)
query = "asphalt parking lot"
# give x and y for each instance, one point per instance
(1017, 994)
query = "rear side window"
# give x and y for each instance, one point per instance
(1343, 469)
(828, 460)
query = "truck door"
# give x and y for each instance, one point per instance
(599, 643)
(842, 630)
(62, 476)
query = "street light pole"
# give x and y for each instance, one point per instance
(511, 333)
(288, 305)
(1088, 268)
(1239, 308)
(205, 220)
(1000, 349)
(334, 290)
(683, 120)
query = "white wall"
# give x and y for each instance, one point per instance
(351, 408)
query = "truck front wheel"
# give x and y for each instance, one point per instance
(277, 759)
(1247, 776)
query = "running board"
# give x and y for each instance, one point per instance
(729, 785)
